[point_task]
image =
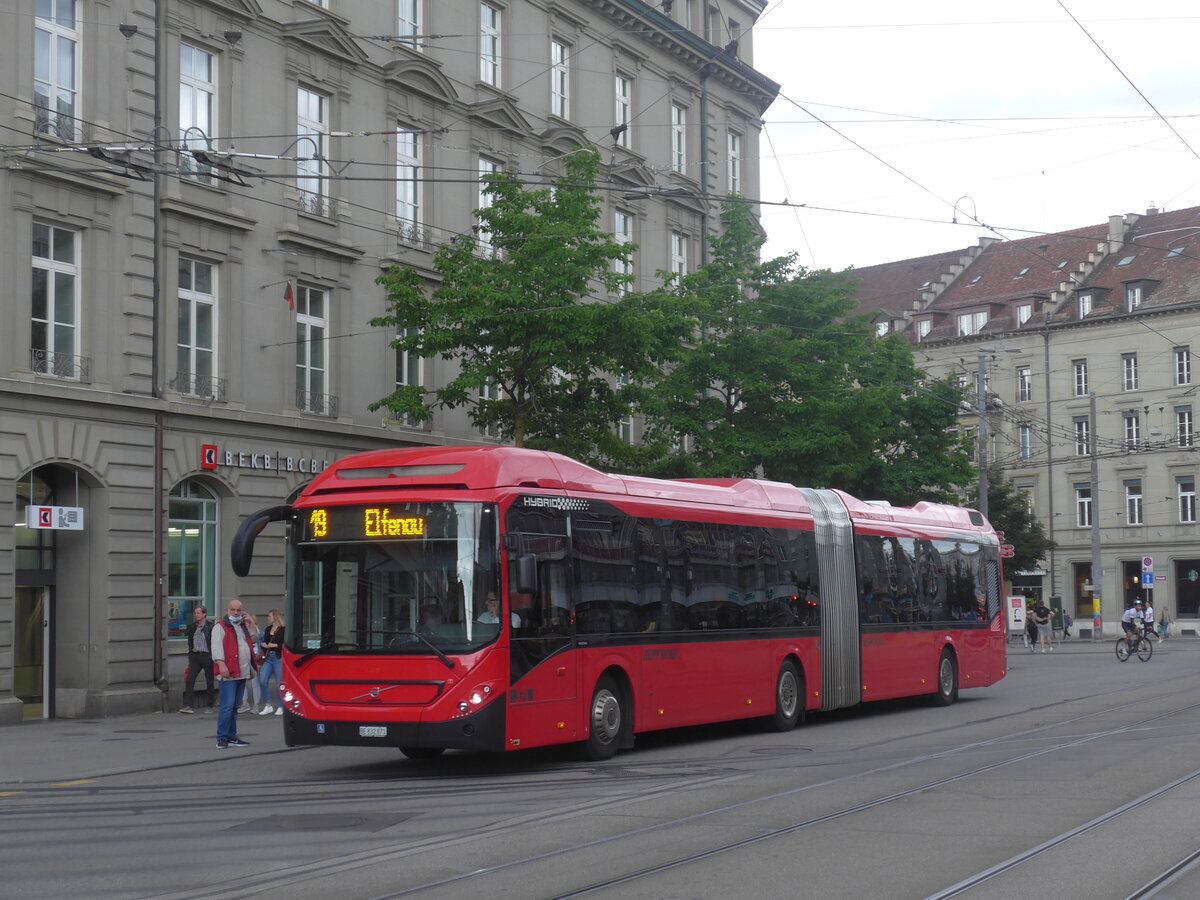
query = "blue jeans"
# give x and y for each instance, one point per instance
(231, 692)
(272, 665)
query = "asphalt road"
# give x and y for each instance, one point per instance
(1076, 776)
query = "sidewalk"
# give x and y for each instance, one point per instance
(58, 750)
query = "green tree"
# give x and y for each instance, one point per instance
(539, 356)
(1008, 511)
(782, 381)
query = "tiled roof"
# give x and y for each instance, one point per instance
(894, 287)
(1161, 255)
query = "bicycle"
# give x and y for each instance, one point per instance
(1129, 644)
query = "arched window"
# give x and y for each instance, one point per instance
(192, 553)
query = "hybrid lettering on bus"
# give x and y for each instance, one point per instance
(495, 598)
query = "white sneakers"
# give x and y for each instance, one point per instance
(279, 712)
(267, 710)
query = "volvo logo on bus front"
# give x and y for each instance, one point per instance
(372, 695)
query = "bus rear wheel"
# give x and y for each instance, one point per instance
(789, 698)
(606, 721)
(422, 752)
(947, 680)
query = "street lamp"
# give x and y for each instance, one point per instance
(981, 409)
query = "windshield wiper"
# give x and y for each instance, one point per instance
(430, 644)
(309, 654)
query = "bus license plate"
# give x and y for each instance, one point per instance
(372, 731)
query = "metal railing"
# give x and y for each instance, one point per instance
(59, 365)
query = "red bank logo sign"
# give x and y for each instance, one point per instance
(213, 457)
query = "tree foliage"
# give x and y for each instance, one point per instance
(1009, 513)
(538, 356)
(782, 381)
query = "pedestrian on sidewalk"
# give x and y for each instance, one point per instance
(253, 692)
(233, 656)
(1041, 617)
(199, 638)
(272, 664)
(1031, 633)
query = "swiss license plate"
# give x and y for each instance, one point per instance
(372, 731)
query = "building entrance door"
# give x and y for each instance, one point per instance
(33, 657)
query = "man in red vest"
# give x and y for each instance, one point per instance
(233, 657)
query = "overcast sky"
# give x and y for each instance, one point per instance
(1035, 127)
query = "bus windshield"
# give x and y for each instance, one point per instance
(406, 578)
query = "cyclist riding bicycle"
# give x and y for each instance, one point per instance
(1131, 623)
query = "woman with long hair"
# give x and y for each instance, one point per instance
(272, 664)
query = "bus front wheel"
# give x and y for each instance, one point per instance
(789, 698)
(606, 721)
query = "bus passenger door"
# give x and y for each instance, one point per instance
(544, 683)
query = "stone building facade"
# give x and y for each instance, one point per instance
(198, 196)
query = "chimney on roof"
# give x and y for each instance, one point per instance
(1116, 233)
(1152, 210)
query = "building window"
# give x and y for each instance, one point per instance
(1083, 432)
(409, 370)
(1184, 429)
(972, 323)
(623, 110)
(193, 555)
(312, 126)
(623, 232)
(408, 184)
(1083, 505)
(489, 44)
(1129, 372)
(560, 79)
(734, 163)
(1024, 313)
(312, 366)
(489, 394)
(197, 107)
(1183, 365)
(923, 328)
(1186, 488)
(678, 139)
(1133, 502)
(55, 69)
(55, 302)
(197, 329)
(1026, 438)
(408, 24)
(1133, 430)
(1133, 296)
(678, 264)
(483, 236)
(625, 423)
(1024, 383)
(1085, 305)
(1079, 369)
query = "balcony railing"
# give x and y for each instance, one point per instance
(203, 387)
(59, 365)
(313, 204)
(316, 404)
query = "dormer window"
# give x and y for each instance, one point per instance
(1024, 313)
(1133, 296)
(1085, 305)
(882, 327)
(923, 328)
(972, 323)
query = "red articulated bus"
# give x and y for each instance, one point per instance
(495, 598)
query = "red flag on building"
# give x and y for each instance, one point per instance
(287, 296)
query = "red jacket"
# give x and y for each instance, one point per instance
(238, 655)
